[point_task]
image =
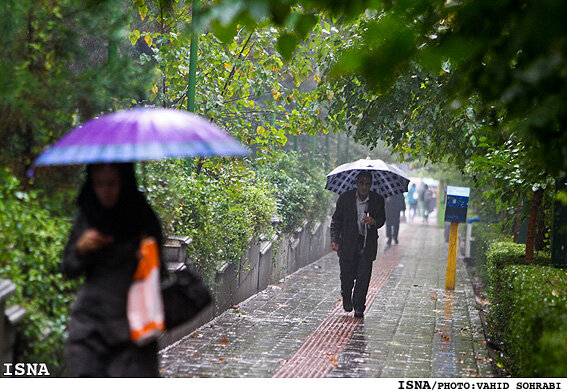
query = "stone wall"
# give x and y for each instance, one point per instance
(265, 263)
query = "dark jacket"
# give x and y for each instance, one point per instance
(394, 205)
(100, 306)
(344, 225)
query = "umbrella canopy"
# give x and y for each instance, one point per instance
(387, 179)
(141, 134)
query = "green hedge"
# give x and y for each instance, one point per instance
(532, 318)
(220, 209)
(502, 254)
(528, 311)
(31, 245)
(484, 235)
(299, 189)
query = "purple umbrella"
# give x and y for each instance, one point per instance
(141, 134)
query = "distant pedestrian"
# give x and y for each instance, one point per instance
(112, 219)
(427, 202)
(394, 205)
(354, 235)
(412, 201)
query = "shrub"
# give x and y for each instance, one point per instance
(299, 188)
(528, 313)
(533, 322)
(31, 245)
(502, 254)
(221, 210)
(484, 235)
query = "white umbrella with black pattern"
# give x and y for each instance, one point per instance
(387, 179)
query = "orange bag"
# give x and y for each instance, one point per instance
(145, 304)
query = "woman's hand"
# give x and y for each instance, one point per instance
(92, 240)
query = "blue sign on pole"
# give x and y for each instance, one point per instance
(457, 203)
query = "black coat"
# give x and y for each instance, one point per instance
(344, 225)
(98, 342)
(100, 306)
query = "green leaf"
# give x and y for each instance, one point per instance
(286, 45)
(304, 24)
(225, 33)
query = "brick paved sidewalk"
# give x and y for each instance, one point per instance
(412, 327)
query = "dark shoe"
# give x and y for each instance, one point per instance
(389, 242)
(347, 306)
(359, 314)
(395, 242)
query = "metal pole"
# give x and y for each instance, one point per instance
(346, 148)
(452, 257)
(193, 58)
(327, 154)
(468, 240)
(339, 160)
(192, 77)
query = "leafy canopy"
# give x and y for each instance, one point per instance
(508, 55)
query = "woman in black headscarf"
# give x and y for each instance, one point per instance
(113, 217)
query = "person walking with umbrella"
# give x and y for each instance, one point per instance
(114, 220)
(362, 186)
(354, 236)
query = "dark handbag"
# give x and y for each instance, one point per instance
(184, 296)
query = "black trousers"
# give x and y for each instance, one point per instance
(93, 357)
(355, 273)
(392, 229)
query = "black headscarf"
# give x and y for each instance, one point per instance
(132, 216)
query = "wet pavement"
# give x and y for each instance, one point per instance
(297, 328)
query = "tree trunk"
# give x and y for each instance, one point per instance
(532, 225)
(541, 241)
(503, 216)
